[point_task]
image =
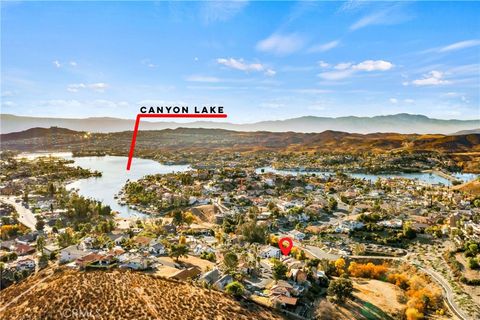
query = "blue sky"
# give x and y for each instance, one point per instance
(260, 60)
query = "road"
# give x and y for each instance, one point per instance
(321, 254)
(25, 216)
(448, 293)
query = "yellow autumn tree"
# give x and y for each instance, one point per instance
(340, 266)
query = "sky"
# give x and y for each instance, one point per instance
(260, 60)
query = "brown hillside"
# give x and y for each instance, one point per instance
(119, 295)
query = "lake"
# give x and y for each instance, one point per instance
(114, 176)
(430, 178)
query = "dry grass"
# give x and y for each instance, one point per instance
(120, 295)
(471, 187)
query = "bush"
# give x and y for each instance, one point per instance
(340, 289)
(235, 289)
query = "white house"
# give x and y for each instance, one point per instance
(270, 252)
(297, 235)
(71, 253)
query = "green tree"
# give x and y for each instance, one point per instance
(235, 288)
(177, 251)
(40, 224)
(40, 244)
(279, 270)
(230, 261)
(340, 289)
(253, 233)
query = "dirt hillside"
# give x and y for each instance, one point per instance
(119, 295)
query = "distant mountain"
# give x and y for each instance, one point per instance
(399, 123)
(220, 139)
(473, 131)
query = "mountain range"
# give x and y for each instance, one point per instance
(399, 123)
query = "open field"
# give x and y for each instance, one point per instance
(120, 295)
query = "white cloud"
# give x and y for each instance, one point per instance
(240, 64)
(409, 101)
(213, 11)
(373, 65)
(73, 63)
(149, 63)
(200, 78)
(336, 75)
(272, 105)
(98, 87)
(7, 93)
(56, 63)
(325, 46)
(389, 16)
(270, 72)
(323, 64)
(433, 78)
(393, 100)
(342, 66)
(312, 91)
(460, 45)
(281, 44)
(347, 69)
(8, 103)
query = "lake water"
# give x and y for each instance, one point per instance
(114, 177)
(430, 178)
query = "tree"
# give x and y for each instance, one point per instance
(177, 251)
(340, 289)
(2, 268)
(40, 224)
(177, 217)
(235, 288)
(253, 232)
(43, 261)
(473, 263)
(230, 261)
(332, 204)
(279, 270)
(408, 231)
(340, 266)
(40, 244)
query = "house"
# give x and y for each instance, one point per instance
(116, 238)
(298, 275)
(71, 253)
(8, 245)
(221, 283)
(157, 248)
(189, 273)
(23, 249)
(136, 263)
(297, 235)
(142, 242)
(284, 300)
(210, 277)
(270, 252)
(51, 248)
(26, 264)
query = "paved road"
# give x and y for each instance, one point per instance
(448, 292)
(321, 254)
(25, 216)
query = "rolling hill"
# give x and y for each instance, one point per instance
(68, 294)
(401, 123)
(219, 139)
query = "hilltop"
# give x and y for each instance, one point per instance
(401, 123)
(226, 140)
(120, 295)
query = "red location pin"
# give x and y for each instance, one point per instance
(285, 244)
